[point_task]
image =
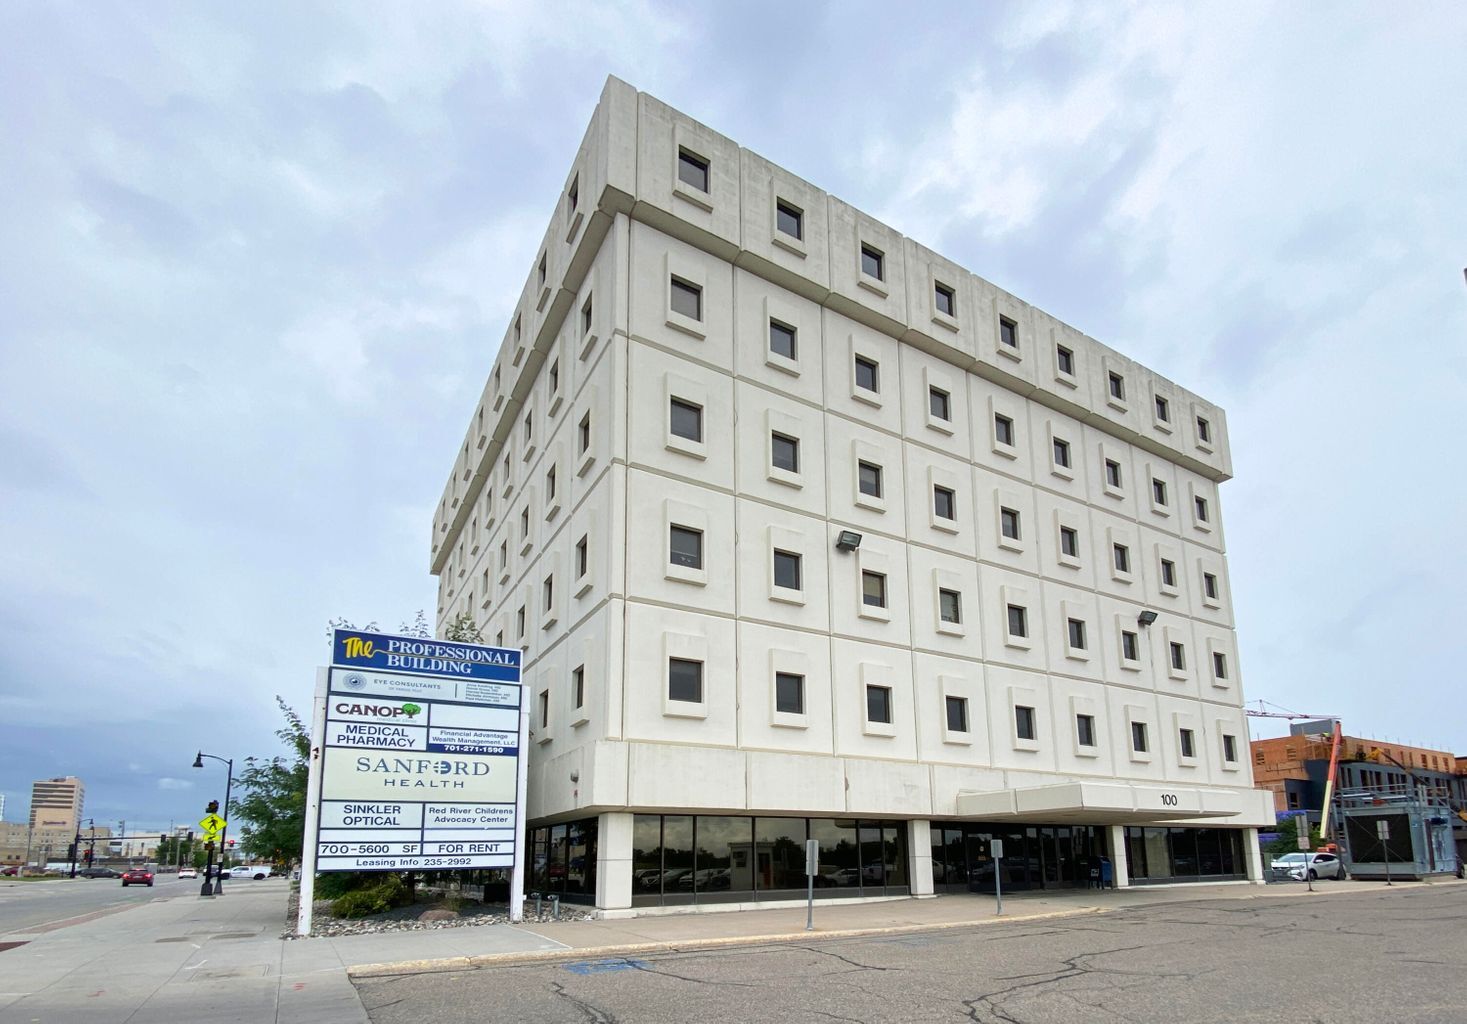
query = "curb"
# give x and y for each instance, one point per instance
(469, 963)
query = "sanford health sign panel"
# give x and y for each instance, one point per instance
(420, 762)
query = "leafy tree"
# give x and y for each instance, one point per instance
(273, 801)
(1288, 838)
(463, 630)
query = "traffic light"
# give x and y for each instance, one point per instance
(71, 851)
(89, 856)
(191, 836)
(213, 807)
(163, 839)
(231, 843)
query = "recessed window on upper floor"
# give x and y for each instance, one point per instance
(583, 434)
(1062, 453)
(1026, 722)
(1003, 430)
(789, 693)
(1158, 491)
(1008, 332)
(950, 606)
(1112, 473)
(789, 219)
(1187, 743)
(554, 377)
(944, 503)
(1219, 665)
(1168, 573)
(542, 272)
(1018, 620)
(957, 713)
(873, 262)
(868, 479)
(873, 589)
(578, 685)
(939, 403)
(573, 195)
(868, 374)
(1121, 556)
(878, 704)
(1209, 586)
(583, 556)
(1204, 430)
(686, 420)
(1130, 646)
(1069, 542)
(1085, 730)
(1008, 520)
(1139, 740)
(784, 452)
(1117, 385)
(788, 571)
(782, 339)
(1230, 748)
(588, 316)
(1163, 409)
(685, 547)
(1064, 359)
(692, 170)
(946, 300)
(1075, 633)
(685, 680)
(1199, 504)
(687, 299)
(1178, 656)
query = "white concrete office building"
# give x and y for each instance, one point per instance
(807, 532)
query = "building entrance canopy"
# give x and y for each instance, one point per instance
(1119, 803)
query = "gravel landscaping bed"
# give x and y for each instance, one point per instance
(433, 911)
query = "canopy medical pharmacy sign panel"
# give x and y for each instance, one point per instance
(420, 761)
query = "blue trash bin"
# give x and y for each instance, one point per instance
(1107, 874)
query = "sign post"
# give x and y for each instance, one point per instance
(996, 848)
(1302, 828)
(1383, 832)
(416, 760)
(812, 866)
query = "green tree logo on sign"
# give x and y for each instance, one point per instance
(411, 710)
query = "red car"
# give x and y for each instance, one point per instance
(137, 876)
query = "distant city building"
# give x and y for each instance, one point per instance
(56, 804)
(1294, 768)
(807, 532)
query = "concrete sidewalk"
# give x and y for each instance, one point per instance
(222, 961)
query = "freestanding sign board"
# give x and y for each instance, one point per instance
(416, 760)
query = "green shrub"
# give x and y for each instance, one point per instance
(382, 893)
(335, 884)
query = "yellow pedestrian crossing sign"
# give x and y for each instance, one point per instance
(212, 824)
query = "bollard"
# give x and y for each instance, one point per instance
(555, 906)
(536, 897)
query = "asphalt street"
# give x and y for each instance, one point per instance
(1372, 957)
(28, 904)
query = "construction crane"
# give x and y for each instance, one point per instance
(1334, 752)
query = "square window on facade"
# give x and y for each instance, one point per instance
(685, 680)
(1204, 430)
(1062, 453)
(1163, 409)
(873, 589)
(946, 299)
(784, 452)
(573, 194)
(555, 377)
(1065, 360)
(868, 374)
(868, 479)
(1018, 620)
(1008, 332)
(1158, 491)
(1076, 629)
(1187, 743)
(1138, 737)
(686, 420)
(1209, 586)
(578, 685)
(1112, 473)
(1168, 573)
(685, 547)
(782, 339)
(787, 570)
(789, 219)
(1069, 542)
(587, 317)
(692, 170)
(873, 263)
(583, 434)
(529, 426)
(878, 704)
(550, 483)
(1122, 555)
(544, 708)
(1008, 520)
(944, 503)
(519, 622)
(1230, 748)
(583, 562)
(687, 299)
(1026, 724)
(950, 605)
(541, 281)
(525, 522)
(957, 714)
(1179, 656)
(503, 554)
(1219, 665)
(1003, 430)
(939, 403)
(1200, 505)
(549, 592)
(789, 693)
(1117, 385)
(1085, 730)
(1130, 647)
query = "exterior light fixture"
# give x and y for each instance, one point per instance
(1146, 618)
(847, 540)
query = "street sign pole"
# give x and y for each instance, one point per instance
(812, 865)
(1302, 828)
(313, 807)
(1383, 831)
(996, 848)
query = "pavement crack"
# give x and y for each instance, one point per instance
(592, 1014)
(846, 960)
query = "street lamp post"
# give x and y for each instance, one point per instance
(224, 833)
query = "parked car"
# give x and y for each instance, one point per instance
(10, 870)
(137, 876)
(255, 871)
(188, 872)
(98, 873)
(1319, 865)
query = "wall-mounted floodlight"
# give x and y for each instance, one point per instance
(847, 540)
(1146, 618)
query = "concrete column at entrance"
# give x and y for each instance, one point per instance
(1253, 856)
(1116, 840)
(614, 861)
(919, 857)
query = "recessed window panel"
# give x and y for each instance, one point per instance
(950, 606)
(946, 299)
(1209, 585)
(784, 452)
(685, 680)
(878, 704)
(1117, 387)
(873, 263)
(957, 714)
(787, 570)
(1112, 473)
(1085, 730)
(789, 219)
(1018, 617)
(939, 403)
(687, 299)
(1065, 360)
(868, 374)
(1200, 504)
(692, 170)
(1122, 556)
(782, 339)
(1187, 742)
(1008, 332)
(686, 420)
(873, 589)
(1138, 737)
(944, 503)
(685, 547)
(1230, 747)
(1062, 453)
(1076, 629)
(1026, 725)
(1219, 665)
(1003, 430)
(1179, 656)
(1008, 520)
(869, 479)
(789, 693)
(1163, 409)
(1130, 646)
(1069, 542)
(1204, 430)
(1168, 573)
(1158, 491)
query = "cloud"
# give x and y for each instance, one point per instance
(167, 783)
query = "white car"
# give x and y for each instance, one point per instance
(188, 873)
(255, 871)
(1319, 865)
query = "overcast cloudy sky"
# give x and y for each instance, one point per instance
(255, 261)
